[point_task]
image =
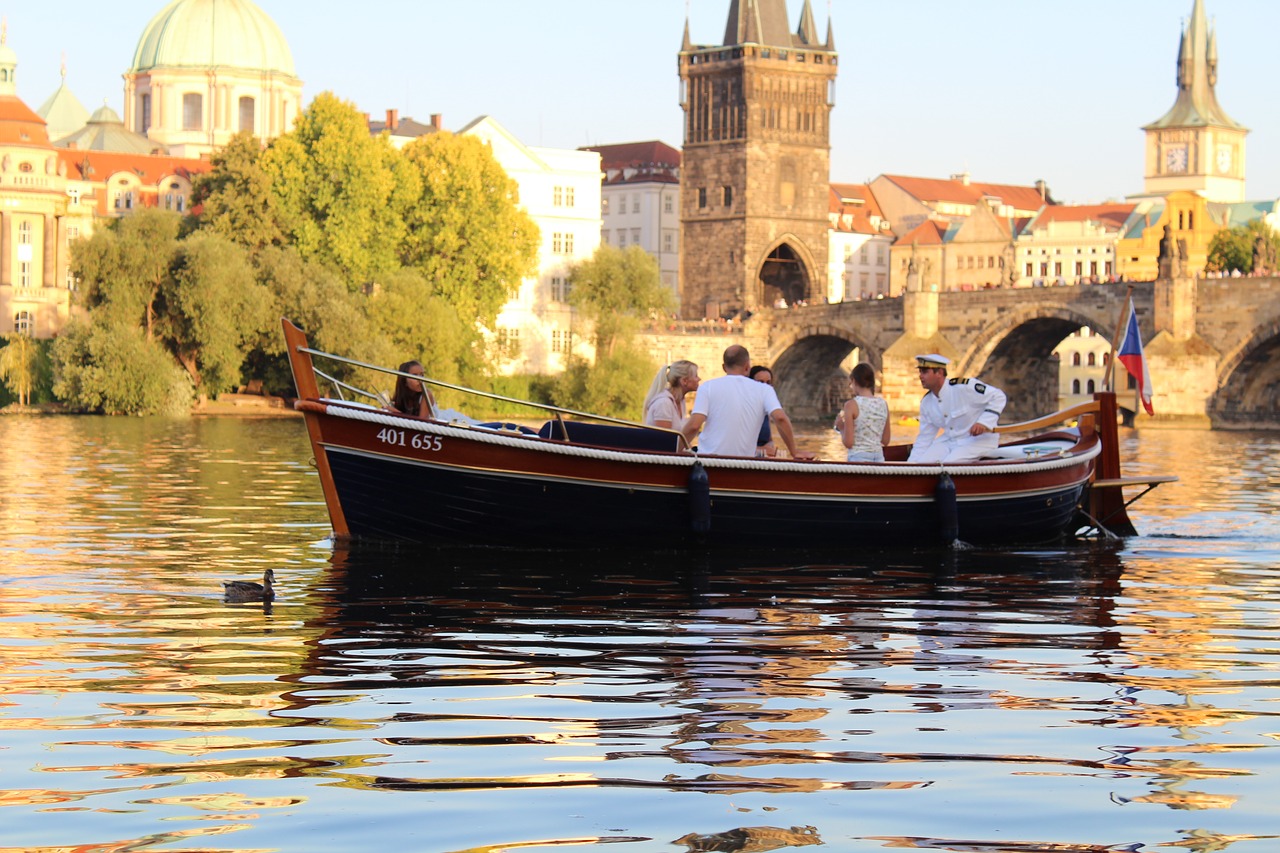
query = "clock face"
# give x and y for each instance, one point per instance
(1175, 158)
(1224, 158)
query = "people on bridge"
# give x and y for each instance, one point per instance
(764, 441)
(957, 416)
(664, 404)
(863, 423)
(730, 408)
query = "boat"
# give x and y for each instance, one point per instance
(579, 480)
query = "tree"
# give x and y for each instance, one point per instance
(123, 267)
(212, 309)
(465, 231)
(415, 322)
(615, 385)
(1232, 249)
(112, 368)
(341, 194)
(617, 290)
(235, 199)
(18, 363)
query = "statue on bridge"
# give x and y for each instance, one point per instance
(1264, 256)
(1170, 262)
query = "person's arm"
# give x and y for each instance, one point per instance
(850, 417)
(783, 423)
(886, 434)
(693, 426)
(925, 436)
(993, 404)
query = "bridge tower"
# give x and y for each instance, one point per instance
(1196, 145)
(755, 170)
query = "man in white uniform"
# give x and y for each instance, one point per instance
(732, 407)
(957, 416)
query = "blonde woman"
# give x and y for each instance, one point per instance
(864, 421)
(664, 404)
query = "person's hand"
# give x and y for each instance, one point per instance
(979, 429)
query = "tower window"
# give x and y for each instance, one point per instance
(192, 111)
(702, 198)
(728, 196)
(144, 113)
(246, 114)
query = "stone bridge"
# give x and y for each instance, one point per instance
(1213, 345)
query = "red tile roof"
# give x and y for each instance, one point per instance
(19, 124)
(1111, 216)
(635, 155)
(150, 168)
(927, 233)
(856, 202)
(958, 192)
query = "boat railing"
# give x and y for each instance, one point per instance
(557, 413)
(1086, 413)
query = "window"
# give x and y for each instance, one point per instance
(24, 274)
(73, 233)
(880, 254)
(728, 196)
(1132, 383)
(635, 236)
(1075, 359)
(24, 233)
(73, 193)
(1079, 268)
(1030, 269)
(604, 206)
(508, 338)
(568, 196)
(702, 198)
(1075, 386)
(24, 323)
(635, 204)
(568, 244)
(1090, 387)
(559, 289)
(622, 203)
(192, 111)
(559, 341)
(1057, 267)
(668, 203)
(1092, 359)
(246, 114)
(557, 197)
(144, 114)
(668, 242)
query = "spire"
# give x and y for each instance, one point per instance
(1197, 103)
(8, 62)
(758, 22)
(686, 45)
(807, 31)
(831, 35)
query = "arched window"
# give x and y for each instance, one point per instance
(1075, 386)
(1093, 359)
(1075, 359)
(24, 323)
(246, 114)
(1090, 388)
(1106, 359)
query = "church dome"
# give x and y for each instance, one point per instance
(213, 34)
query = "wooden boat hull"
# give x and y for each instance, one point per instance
(392, 477)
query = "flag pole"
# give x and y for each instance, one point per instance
(1115, 340)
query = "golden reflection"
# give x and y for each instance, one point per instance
(751, 839)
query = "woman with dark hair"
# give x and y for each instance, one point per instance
(411, 397)
(864, 421)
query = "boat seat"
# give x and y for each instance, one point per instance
(612, 436)
(1031, 450)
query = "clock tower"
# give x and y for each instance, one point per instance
(1196, 146)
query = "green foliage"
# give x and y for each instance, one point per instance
(123, 267)
(1233, 248)
(618, 290)
(464, 230)
(341, 194)
(615, 385)
(235, 198)
(212, 308)
(18, 366)
(111, 368)
(415, 322)
(535, 387)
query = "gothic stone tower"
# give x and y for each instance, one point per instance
(1195, 145)
(755, 169)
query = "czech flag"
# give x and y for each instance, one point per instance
(1131, 357)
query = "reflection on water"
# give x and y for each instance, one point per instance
(1091, 698)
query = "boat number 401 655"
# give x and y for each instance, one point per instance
(417, 441)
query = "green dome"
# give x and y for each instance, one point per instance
(213, 34)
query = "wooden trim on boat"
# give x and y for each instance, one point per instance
(1076, 411)
(304, 379)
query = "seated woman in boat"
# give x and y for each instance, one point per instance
(664, 404)
(864, 421)
(411, 397)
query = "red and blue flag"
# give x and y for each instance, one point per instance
(1134, 361)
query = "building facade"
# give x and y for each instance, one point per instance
(640, 203)
(755, 162)
(858, 256)
(560, 190)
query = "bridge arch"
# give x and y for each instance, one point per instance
(807, 366)
(1015, 353)
(785, 269)
(1248, 386)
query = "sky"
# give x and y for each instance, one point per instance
(1010, 91)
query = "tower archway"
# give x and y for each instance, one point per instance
(785, 277)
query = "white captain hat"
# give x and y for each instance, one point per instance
(932, 360)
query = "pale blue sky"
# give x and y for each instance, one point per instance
(1010, 90)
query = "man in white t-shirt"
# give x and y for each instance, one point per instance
(729, 409)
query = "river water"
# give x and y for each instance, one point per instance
(1097, 697)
